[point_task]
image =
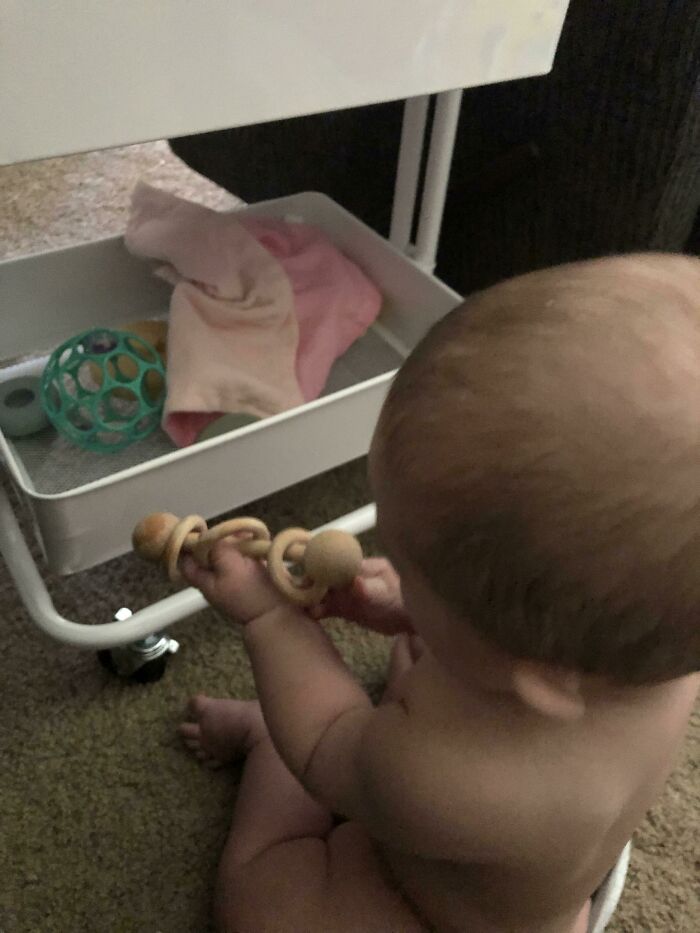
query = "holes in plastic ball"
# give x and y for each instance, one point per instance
(146, 424)
(63, 358)
(99, 341)
(141, 349)
(122, 368)
(69, 386)
(152, 387)
(118, 407)
(80, 417)
(89, 376)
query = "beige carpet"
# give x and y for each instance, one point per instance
(106, 825)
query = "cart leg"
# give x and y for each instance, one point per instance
(408, 170)
(442, 142)
(144, 661)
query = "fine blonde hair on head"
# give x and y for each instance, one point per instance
(546, 434)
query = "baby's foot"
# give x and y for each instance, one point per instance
(218, 731)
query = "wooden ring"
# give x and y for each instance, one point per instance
(256, 545)
(303, 593)
(177, 538)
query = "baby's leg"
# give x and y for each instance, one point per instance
(284, 868)
(272, 808)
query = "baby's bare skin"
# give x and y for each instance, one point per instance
(536, 464)
(543, 816)
(486, 817)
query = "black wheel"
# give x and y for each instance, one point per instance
(107, 661)
(151, 671)
(148, 673)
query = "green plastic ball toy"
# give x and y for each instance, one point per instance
(104, 389)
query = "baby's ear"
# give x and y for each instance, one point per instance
(549, 690)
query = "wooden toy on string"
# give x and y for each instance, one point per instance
(329, 559)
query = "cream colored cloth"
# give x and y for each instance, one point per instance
(233, 333)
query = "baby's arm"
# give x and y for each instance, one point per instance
(383, 767)
(305, 689)
(303, 684)
(404, 779)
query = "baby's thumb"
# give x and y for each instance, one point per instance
(373, 590)
(344, 601)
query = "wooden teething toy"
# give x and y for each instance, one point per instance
(330, 559)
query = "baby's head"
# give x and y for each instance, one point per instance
(537, 470)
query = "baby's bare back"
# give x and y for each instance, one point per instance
(509, 821)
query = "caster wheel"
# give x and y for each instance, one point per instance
(106, 660)
(148, 673)
(151, 671)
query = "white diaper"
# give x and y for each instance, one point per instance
(606, 898)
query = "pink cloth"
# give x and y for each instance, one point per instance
(334, 301)
(232, 335)
(261, 308)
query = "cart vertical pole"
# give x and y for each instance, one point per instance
(415, 116)
(442, 143)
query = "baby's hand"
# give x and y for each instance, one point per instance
(373, 600)
(235, 585)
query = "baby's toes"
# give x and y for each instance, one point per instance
(223, 729)
(191, 735)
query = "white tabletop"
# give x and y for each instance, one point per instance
(86, 74)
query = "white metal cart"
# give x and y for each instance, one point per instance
(78, 75)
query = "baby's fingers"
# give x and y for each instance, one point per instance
(193, 573)
(226, 560)
(375, 567)
(373, 590)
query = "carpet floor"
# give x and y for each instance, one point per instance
(106, 824)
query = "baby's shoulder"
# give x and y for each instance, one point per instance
(440, 778)
(465, 777)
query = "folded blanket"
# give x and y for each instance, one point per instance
(334, 301)
(260, 310)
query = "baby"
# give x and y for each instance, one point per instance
(536, 470)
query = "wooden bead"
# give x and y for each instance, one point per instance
(333, 558)
(152, 533)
